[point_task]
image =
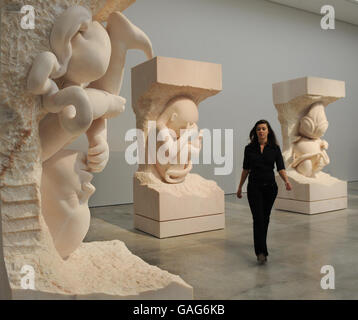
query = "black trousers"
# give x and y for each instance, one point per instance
(261, 198)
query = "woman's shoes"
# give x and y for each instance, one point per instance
(261, 258)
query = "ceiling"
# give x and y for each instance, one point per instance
(345, 10)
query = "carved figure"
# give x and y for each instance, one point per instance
(175, 126)
(309, 155)
(168, 199)
(79, 82)
(301, 105)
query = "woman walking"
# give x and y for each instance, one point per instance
(260, 156)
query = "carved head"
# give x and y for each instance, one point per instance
(180, 113)
(314, 124)
(82, 46)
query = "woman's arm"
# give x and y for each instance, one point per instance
(284, 177)
(281, 169)
(245, 172)
(244, 175)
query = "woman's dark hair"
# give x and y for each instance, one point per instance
(271, 137)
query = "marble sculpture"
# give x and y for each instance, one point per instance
(66, 82)
(168, 199)
(301, 105)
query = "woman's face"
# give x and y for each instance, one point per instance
(262, 131)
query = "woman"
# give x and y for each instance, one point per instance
(259, 159)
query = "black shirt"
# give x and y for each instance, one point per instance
(261, 165)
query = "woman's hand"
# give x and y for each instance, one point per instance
(244, 175)
(284, 177)
(288, 186)
(239, 193)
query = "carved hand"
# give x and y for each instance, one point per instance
(98, 154)
(324, 144)
(198, 140)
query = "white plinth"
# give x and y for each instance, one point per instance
(165, 229)
(167, 210)
(311, 195)
(311, 207)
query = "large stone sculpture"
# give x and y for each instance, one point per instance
(44, 189)
(168, 200)
(87, 62)
(301, 104)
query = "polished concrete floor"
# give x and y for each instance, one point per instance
(222, 264)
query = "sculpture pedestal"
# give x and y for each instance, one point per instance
(310, 196)
(167, 210)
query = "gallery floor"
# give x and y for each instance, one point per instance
(222, 265)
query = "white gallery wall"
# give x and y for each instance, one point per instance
(258, 43)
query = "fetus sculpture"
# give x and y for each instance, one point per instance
(168, 199)
(309, 155)
(174, 126)
(79, 83)
(301, 104)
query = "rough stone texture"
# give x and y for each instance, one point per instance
(25, 236)
(178, 200)
(107, 270)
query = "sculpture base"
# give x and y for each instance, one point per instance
(167, 210)
(165, 229)
(311, 207)
(311, 195)
(107, 270)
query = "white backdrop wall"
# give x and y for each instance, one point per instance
(258, 43)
